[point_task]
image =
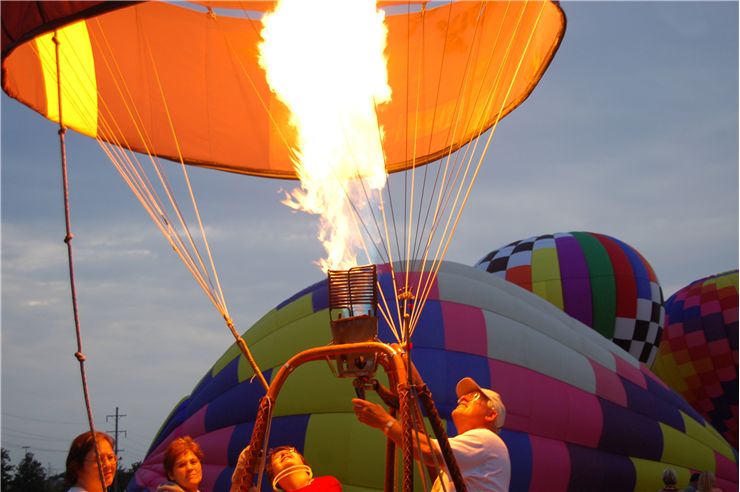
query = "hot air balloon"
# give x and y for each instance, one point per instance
(187, 81)
(601, 281)
(117, 56)
(698, 357)
(184, 81)
(581, 413)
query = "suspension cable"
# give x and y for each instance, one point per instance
(79, 355)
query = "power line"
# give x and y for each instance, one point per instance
(30, 435)
(34, 448)
(22, 417)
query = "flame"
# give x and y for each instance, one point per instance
(325, 61)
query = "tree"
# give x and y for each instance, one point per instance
(7, 471)
(29, 476)
(56, 483)
(126, 474)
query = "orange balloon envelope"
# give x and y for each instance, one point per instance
(183, 80)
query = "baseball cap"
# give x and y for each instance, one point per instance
(468, 385)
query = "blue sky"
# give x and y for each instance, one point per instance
(632, 132)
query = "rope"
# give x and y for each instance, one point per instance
(457, 211)
(444, 445)
(244, 474)
(134, 175)
(404, 397)
(265, 444)
(390, 459)
(79, 355)
(417, 421)
(247, 353)
(447, 188)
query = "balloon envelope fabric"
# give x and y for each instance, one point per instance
(698, 354)
(582, 414)
(601, 281)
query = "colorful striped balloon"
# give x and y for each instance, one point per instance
(582, 414)
(698, 355)
(601, 281)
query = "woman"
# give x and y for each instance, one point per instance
(706, 483)
(82, 466)
(669, 481)
(182, 465)
(288, 470)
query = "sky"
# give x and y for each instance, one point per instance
(632, 132)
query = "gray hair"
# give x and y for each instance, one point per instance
(669, 477)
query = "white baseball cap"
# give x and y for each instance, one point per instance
(468, 385)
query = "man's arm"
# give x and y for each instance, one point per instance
(376, 416)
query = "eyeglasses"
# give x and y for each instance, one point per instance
(469, 397)
(281, 452)
(108, 458)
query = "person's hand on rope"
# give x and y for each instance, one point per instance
(238, 478)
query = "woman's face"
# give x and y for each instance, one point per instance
(187, 471)
(89, 473)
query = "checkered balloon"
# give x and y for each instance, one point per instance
(598, 280)
(698, 352)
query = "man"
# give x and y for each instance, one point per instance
(480, 453)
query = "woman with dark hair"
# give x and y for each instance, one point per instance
(81, 472)
(182, 465)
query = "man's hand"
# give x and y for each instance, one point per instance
(371, 414)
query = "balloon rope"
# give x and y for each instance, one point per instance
(247, 353)
(458, 182)
(142, 188)
(470, 153)
(384, 312)
(434, 117)
(150, 200)
(425, 282)
(137, 179)
(445, 189)
(186, 176)
(406, 151)
(239, 340)
(265, 444)
(388, 313)
(491, 133)
(411, 238)
(417, 423)
(79, 355)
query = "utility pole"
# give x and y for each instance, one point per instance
(115, 438)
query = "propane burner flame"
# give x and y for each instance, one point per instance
(325, 61)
